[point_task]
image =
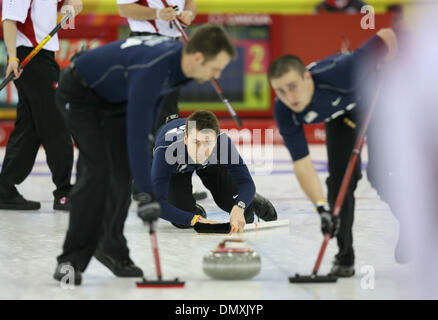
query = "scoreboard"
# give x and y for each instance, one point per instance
(244, 81)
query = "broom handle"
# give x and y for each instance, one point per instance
(37, 49)
(154, 244)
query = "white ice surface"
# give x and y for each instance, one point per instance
(31, 241)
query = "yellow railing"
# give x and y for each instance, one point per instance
(249, 6)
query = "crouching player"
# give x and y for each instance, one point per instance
(184, 146)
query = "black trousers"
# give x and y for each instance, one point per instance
(340, 142)
(215, 178)
(38, 123)
(170, 102)
(100, 198)
(169, 105)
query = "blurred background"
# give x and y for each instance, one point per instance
(261, 30)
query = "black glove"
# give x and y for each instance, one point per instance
(148, 209)
(329, 223)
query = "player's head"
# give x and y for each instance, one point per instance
(291, 81)
(207, 53)
(340, 4)
(202, 129)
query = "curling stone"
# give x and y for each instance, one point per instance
(231, 260)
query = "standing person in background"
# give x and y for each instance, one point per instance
(152, 17)
(25, 24)
(346, 6)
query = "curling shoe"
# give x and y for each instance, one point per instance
(199, 195)
(17, 202)
(120, 268)
(62, 273)
(342, 271)
(262, 208)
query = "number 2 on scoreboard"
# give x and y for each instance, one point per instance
(257, 53)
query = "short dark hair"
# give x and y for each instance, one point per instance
(396, 8)
(285, 64)
(204, 120)
(210, 39)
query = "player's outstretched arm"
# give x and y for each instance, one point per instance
(308, 179)
(139, 12)
(389, 37)
(311, 185)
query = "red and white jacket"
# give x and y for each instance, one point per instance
(35, 19)
(154, 26)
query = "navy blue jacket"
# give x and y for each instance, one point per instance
(171, 157)
(138, 71)
(337, 80)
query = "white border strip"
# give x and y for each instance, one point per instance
(266, 225)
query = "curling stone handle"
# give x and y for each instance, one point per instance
(222, 244)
